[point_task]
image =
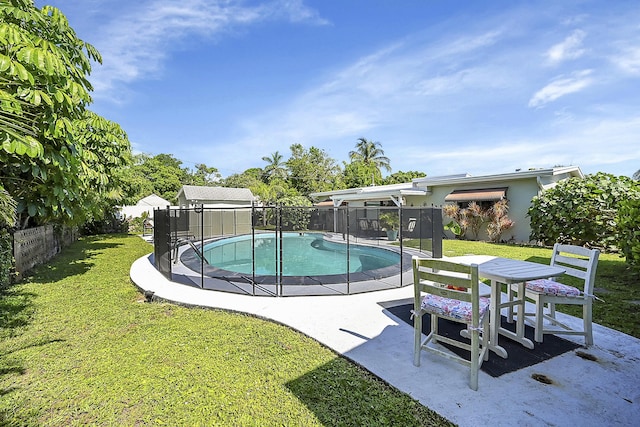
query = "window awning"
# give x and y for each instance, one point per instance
(481, 195)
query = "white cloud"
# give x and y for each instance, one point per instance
(569, 48)
(384, 88)
(135, 44)
(561, 86)
(628, 60)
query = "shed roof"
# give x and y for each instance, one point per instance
(201, 193)
(153, 200)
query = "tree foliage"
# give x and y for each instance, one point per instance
(276, 167)
(162, 175)
(312, 170)
(581, 211)
(367, 161)
(358, 174)
(7, 209)
(204, 175)
(251, 178)
(371, 154)
(57, 156)
(629, 230)
(295, 215)
(402, 177)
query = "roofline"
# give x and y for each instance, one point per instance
(417, 185)
(406, 188)
(535, 173)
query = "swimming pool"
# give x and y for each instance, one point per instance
(304, 256)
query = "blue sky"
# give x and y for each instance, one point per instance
(446, 87)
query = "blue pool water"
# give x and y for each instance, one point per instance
(308, 254)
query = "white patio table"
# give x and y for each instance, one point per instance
(508, 271)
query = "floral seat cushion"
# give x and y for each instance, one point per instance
(550, 287)
(452, 308)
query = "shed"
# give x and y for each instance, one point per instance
(221, 197)
(146, 204)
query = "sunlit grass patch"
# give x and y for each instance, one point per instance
(79, 346)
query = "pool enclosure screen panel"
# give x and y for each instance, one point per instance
(284, 251)
(162, 241)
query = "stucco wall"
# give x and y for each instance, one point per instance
(519, 194)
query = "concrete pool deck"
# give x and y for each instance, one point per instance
(597, 392)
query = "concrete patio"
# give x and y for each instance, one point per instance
(594, 386)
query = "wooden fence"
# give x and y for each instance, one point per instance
(37, 245)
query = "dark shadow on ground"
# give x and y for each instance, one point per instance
(339, 396)
(74, 260)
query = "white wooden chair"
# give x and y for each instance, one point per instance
(580, 263)
(434, 293)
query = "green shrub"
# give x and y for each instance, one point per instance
(629, 231)
(295, 215)
(110, 224)
(6, 257)
(581, 211)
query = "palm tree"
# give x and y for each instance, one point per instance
(370, 153)
(275, 167)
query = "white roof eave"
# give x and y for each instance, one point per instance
(536, 173)
(378, 195)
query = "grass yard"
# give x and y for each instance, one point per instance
(79, 347)
(615, 283)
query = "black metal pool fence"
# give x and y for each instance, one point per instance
(183, 239)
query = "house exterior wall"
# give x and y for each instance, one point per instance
(522, 187)
(519, 195)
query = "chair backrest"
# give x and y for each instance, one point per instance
(411, 225)
(578, 261)
(439, 277)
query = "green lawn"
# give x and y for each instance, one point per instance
(79, 347)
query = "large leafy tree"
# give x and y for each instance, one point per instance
(161, 174)
(267, 194)
(105, 151)
(247, 179)
(57, 156)
(204, 175)
(312, 170)
(358, 174)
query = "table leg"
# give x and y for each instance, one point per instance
(494, 320)
(518, 336)
(521, 315)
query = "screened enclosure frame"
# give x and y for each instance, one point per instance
(289, 251)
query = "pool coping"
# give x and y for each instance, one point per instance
(187, 271)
